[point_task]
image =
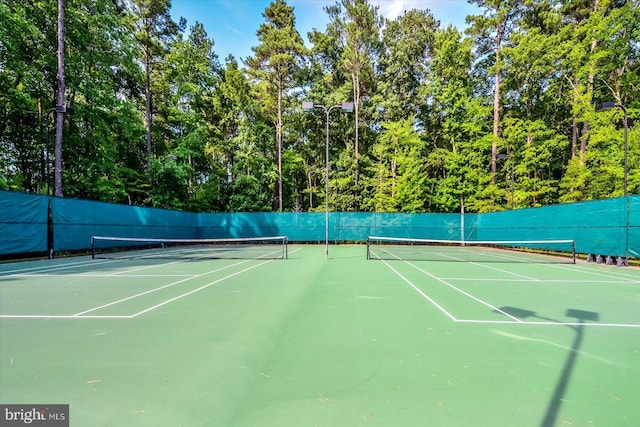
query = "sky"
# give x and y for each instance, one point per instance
(232, 24)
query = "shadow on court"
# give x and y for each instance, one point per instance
(553, 409)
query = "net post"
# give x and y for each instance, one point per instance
(573, 250)
(368, 241)
(286, 247)
(93, 247)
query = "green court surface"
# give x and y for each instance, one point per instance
(312, 342)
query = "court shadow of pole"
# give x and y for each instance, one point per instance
(553, 409)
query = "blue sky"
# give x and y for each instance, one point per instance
(232, 24)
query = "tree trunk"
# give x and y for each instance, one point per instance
(591, 80)
(574, 138)
(148, 107)
(61, 88)
(496, 109)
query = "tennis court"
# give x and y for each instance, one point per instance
(215, 341)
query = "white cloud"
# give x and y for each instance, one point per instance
(446, 11)
(391, 9)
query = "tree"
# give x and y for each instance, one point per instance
(434, 107)
(491, 31)
(23, 76)
(589, 58)
(100, 154)
(61, 88)
(188, 77)
(104, 152)
(408, 44)
(154, 30)
(240, 142)
(398, 181)
(532, 148)
(359, 25)
(275, 62)
(453, 119)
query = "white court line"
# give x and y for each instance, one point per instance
(207, 285)
(47, 268)
(499, 256)
(158, 289)
(82, 315)
(57, 267)
(467, 294)
(100, 275)
(589, 271)
(427, 297)
(164, 253)
(547, 323)
(533, 279)
(490, 267)
(145, 267)
(442, 281)
(514, 320)
(513, 256)
(44, 316)
(389, 253)
(200, 288)
(66, 266)
(541, 281)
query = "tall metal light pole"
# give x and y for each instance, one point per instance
(309, 106)
(607, 106)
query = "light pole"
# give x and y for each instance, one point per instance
(504, 157)
(309, 106)
(607, 106)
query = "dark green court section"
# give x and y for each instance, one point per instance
(310, 342)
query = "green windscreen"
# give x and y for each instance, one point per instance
(598, 227)
(253, 224)
(633, 236)
(76, 221)
(603, 227)
(23, 223)
(343, 226)
(356, 226)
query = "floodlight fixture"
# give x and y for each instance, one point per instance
(307, 106)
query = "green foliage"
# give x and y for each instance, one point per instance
(276, 61)
(159, 121)
(574, 182)
(409, 46)
(398, 178)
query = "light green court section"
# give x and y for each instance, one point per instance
(311, 342)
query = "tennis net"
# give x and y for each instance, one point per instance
(273, 247)
(507, 251)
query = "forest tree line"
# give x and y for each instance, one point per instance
(499, 116)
